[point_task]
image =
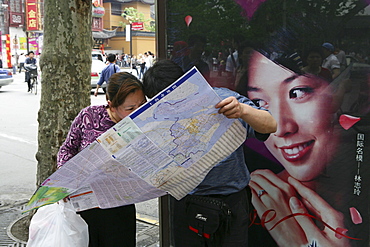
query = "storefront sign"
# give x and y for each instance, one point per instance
(98, 12)
(136, 26)
(32, 15)
(7, 47)
(15, 14)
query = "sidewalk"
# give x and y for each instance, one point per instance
(147, 227)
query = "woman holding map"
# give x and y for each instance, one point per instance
(314, 200)
(114, 226)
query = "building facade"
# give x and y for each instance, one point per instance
(21, 27)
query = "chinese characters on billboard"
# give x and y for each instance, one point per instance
(16, 15)
(32, 15)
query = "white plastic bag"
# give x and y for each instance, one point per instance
(58, 225)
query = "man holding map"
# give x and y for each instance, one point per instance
(214, 213)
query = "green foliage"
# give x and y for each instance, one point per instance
(307, 21)
(217, 20)
(133, 15)
(311, 21)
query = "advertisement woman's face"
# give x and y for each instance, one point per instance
(304, 142)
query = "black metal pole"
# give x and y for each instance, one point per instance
(27, 40)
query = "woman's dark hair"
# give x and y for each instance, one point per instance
(120, 86)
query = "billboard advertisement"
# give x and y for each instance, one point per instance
(309, 181)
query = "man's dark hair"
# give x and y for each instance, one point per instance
(111, 57)
(31, 52)
(162, 74)
(313, 49)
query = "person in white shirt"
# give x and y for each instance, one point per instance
(148, 61)
(151, 58)
(14, 64)
(341, 55)
(21, 60)
(330, 62)
(232, 61)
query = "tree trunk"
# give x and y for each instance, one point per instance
(65, 64)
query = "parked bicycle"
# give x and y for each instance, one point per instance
(31, 70)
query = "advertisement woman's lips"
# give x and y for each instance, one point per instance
(297, 151)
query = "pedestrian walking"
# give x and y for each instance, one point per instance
(141, 63)
(14, 64)
(107, 72)
(21, 60)
(134, 64)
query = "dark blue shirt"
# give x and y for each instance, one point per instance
(107, 73)
(231, 174)
(30, 61)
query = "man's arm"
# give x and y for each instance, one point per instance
(96, 90)
(100, 82)
(336, 72)
(260, 120)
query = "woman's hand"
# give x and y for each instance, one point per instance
(276, 196)
(330, 216)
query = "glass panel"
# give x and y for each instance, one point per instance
(116, 9)
(307, 62)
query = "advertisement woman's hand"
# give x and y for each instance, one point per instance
(269, 192)
(330, 216)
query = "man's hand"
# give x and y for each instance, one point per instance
(230, 107)
(96, 92)
(260, 120)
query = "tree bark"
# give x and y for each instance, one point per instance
(65, 64)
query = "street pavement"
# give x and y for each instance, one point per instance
(18, 165)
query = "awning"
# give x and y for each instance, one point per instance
(104, 34)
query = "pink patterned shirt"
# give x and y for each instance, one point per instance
(89, 124)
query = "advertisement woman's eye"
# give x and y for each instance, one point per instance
(299, 93)
(260, 103)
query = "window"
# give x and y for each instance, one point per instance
(116, 9)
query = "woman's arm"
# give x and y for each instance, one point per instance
(72, 144)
